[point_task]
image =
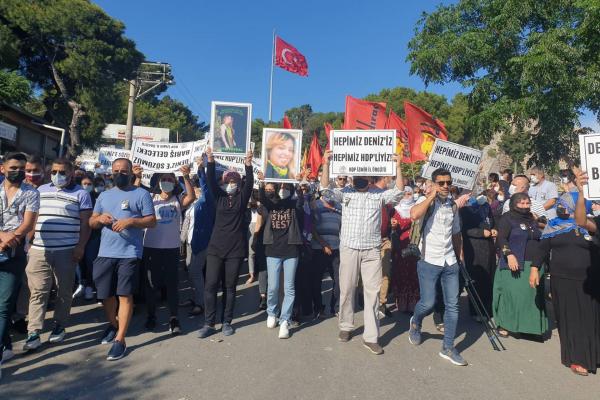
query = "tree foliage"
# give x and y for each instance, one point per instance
(14, 88)
(527, 64)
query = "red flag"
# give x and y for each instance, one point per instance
(315, 157)
(423, 129)
(362, 114)
(290, 59)
(286, 122)
(328, 129)
(402, 141)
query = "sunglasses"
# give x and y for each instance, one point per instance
(342, 179)
(54, 172)
(444, 183)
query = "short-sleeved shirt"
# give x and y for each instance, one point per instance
(437, 247)
(27, 198)
(166, 233)
(544, 191)
(537, 208)
(361, 215)
(58, 222)
(121, 204)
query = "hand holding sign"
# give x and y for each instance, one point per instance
(209, 154)
(137, 171)
(185, 171)
(326, 157)
(248, 159)
(581, 178)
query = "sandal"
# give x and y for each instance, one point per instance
(579, 370)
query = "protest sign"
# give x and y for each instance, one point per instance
(230, 127)
(106, 156)
(589, 150)
(160, 157)
(363, 152)
(462, 162)
(281, 154)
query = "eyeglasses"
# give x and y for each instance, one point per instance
(54, 172)
(342, 179)
(444, 183)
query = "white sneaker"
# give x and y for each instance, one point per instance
(89, 293)
(79, 291)
(271, 322)
(7, 354)
(284, 331)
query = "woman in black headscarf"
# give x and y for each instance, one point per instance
(517, 307)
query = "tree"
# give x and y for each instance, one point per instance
(76, 54)
(525, 63)
(14, 88)
(299, 116)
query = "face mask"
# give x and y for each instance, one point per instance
(284, 193)
(416, 196)
(59, 180)
(88, 188)
(34, 178)
(481, 200)
(121, 180)
(511, 189)
(360, 183)
(166, 186)
(522, 211)
(99, 189)
(270, 195)
(15, 176)
(564, 180)
(534, 179)
(229, 188)
(596, 213)
(500, 198)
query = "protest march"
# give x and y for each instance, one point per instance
(196, 230)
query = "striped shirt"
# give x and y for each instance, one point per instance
(58, 222)
(537, 208)
(361, 215)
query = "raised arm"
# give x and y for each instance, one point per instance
(581, 219)
(249, 182)
(190, 194)
(211, 179)
(325, 170)
(418, 210)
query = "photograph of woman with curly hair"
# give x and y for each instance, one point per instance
(281, 154)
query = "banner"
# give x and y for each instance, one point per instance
(106, 156)
(160, 157)
(362, 114)
(423, 130)
(363, 152)
(145, 133)
(589, 150)
(462, 162)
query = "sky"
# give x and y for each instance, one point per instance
(221, 50)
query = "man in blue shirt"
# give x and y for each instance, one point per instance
(122, 213)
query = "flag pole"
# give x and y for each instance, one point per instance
(271, 80)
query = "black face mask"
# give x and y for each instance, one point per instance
(121, 180)
(360, 183)
(15, 176)
(522, 211)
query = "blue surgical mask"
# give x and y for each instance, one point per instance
(59, 180)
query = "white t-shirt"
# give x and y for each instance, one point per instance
(436, 246)
(542, 192)
(165, 235)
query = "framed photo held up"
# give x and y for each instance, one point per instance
(281, 154)
(230, 125)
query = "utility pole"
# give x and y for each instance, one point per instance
(148, 77)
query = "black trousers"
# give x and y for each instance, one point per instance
(321, 263)
(161, 267)
(217, 269)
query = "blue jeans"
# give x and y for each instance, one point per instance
(429, 275)
(11, 276)
(274, 266)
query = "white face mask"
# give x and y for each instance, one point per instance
(59, 180)
(229, 188)
(596, 213)
(481, 200)
(511, 189)
(284, 193)
(534, 179)
(416, 196)
(99, 189)
(166, 186)
(500, 198)
(564, 180)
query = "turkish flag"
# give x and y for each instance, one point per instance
(290, 59)
(402, 140)
(328, 129)
(286, 122)
(315, 157)
(423, 129)
(361, 114)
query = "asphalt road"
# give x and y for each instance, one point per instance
(312, 364)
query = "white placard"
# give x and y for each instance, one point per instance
(363, 152)
(462, 162)
(142, 133)
(160, 157)
(106, 156)
(589, 150)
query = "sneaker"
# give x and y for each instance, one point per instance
(374, 348)
(88, 293)
(109, 335)
(150, 322)
(271, 322)
(284, 330)
(58, 334)
(196, 310)
(7, 354)
(344, 336)
(414, 333)
(440, 327)
(206, 331)
(263, 303)
(453, 356)
(227, 329)
(174, 326)
(385, 311)
(79, 291)
(117, 351)
(33, 341)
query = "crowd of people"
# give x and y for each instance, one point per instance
(387, 243)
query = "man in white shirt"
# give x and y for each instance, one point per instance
(441, 250)
(520, 184)
(542, 190)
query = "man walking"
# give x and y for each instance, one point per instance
(441, 250)
(122, 213)
(62, 230)
(360, 242)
